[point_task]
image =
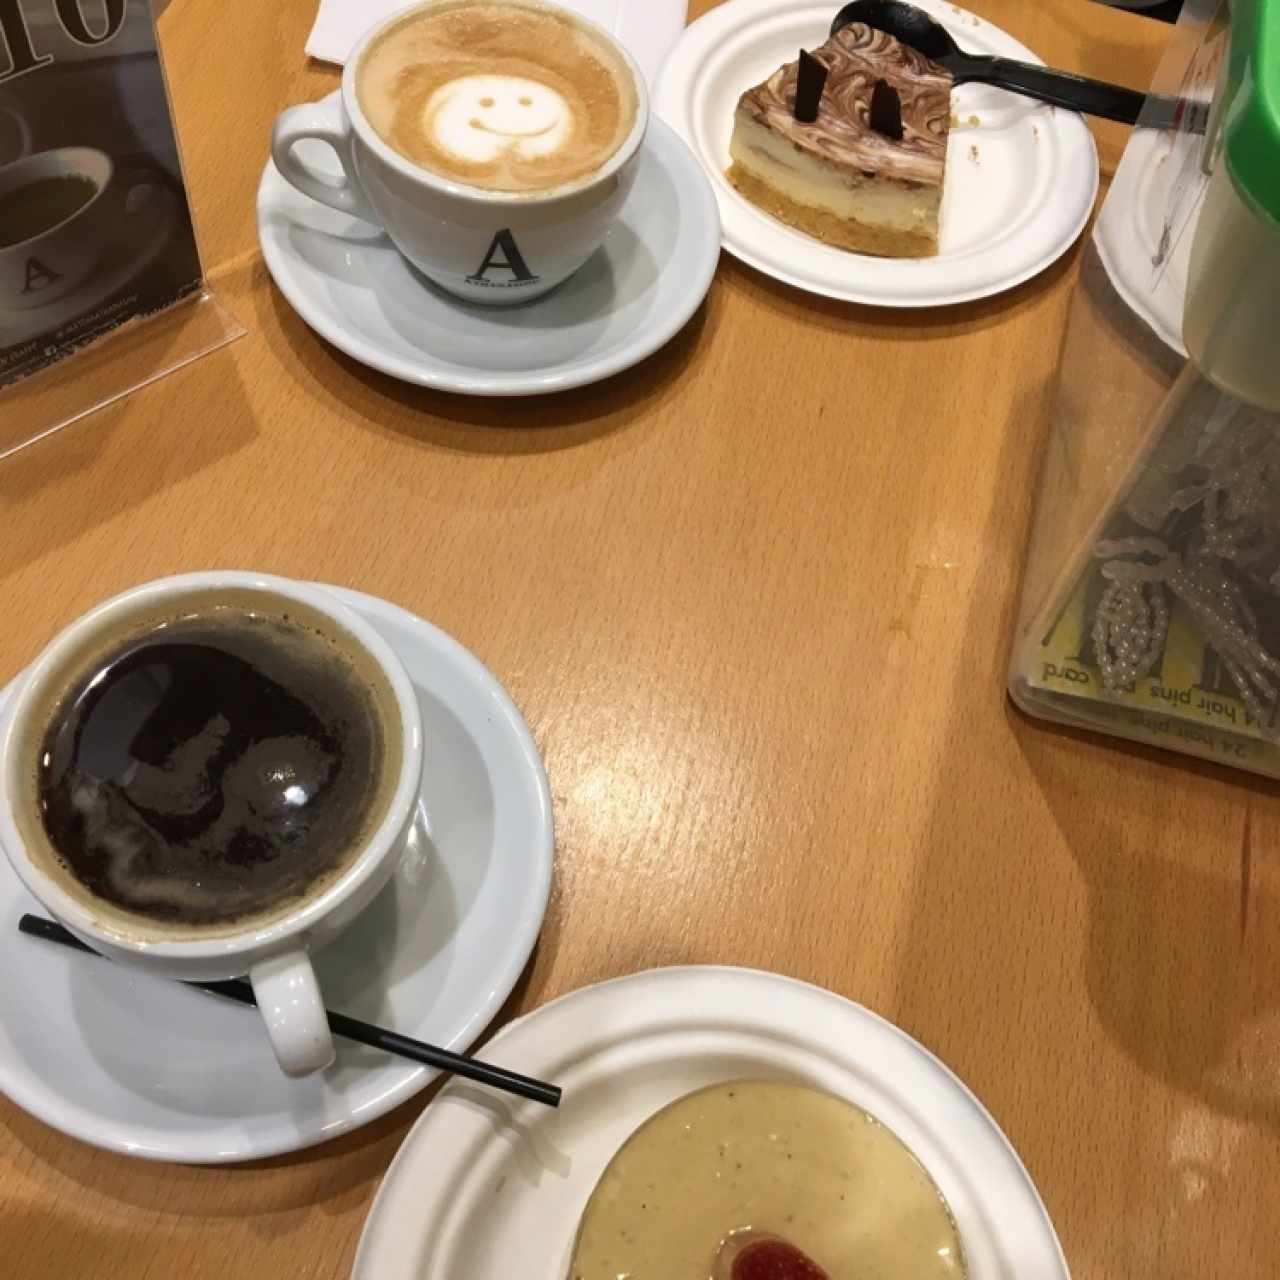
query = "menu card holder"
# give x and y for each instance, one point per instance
(102, 290)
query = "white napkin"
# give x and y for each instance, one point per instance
(341, 23)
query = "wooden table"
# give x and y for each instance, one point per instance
(755, 598)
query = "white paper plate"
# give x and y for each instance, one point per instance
(488, 1188)
(1149, 276)
(150, 1068)
(1019, 189)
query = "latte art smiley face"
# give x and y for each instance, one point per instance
(503, 95)
(478, 118)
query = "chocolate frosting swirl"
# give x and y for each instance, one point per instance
(856, 57)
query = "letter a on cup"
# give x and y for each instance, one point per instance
(512, 260)
(38, 276)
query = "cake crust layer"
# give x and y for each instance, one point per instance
(844, 233)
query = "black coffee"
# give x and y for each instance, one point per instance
(212, 769)
(41, 205)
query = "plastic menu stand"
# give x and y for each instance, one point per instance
(101, 284)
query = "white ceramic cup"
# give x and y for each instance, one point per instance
(275, 953)
(44, 267)
(461, 237)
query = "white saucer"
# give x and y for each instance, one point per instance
(153, 1069)
(138, 241)
(346, 280)
(488, 1188)
(1131, 227)
(1019, 189)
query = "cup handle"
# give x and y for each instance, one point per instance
(324, 122)
(289, 1000)
(24, 133)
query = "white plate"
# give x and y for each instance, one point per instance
(346, 280)
(153, 1069)
(1019, 188)
(1151, 279)
(487, 1188)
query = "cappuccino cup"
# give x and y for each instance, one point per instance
(495, 141)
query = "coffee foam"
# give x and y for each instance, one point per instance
(498, 95)
(60, 685)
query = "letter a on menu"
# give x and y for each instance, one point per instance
(38, 276)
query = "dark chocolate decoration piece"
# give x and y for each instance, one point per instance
(886, 110)
(810, 82)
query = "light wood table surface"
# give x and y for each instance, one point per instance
(755, 598)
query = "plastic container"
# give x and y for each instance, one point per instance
(1151, 602)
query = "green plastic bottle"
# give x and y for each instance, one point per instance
(1231, 324)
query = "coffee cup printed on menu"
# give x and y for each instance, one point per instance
(55, 220)
(209, 776)
(494, 140)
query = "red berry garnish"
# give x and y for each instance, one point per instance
(775, 1260)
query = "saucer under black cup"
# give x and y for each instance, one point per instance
(147, 1067)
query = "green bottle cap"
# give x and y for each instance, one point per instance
(1251, 124)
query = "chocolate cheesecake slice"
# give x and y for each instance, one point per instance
(867, 173)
